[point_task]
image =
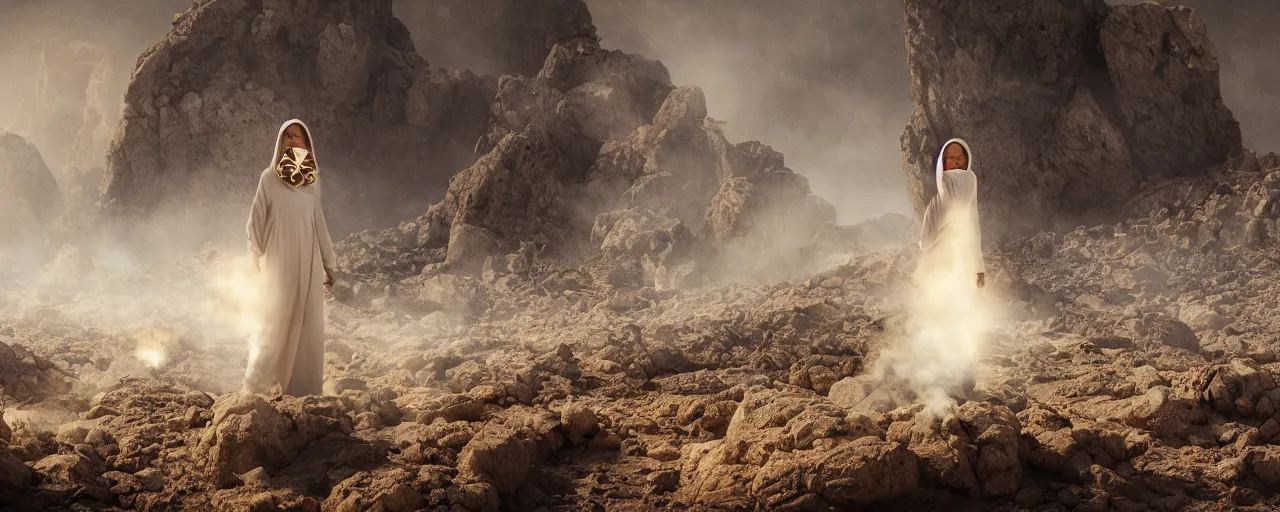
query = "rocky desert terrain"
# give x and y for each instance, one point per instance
(613, 307)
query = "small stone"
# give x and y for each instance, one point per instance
(579, 422)
(122, 483)
(95, 492)
(335, 387)
(75, 432)
(256, 477)
(1123, 504)
(151, 478)
(665, 480)
(98, 437)
(664, 452)
(368, 421)
(413, 363)
(99, 411)
(1100, 502)
(607, 441)
(1029, 497)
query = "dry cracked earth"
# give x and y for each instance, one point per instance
(1135, 369)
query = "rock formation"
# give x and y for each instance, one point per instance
(30, 201)
(204, 106)
(1094, 125)
(497, 38)
(600, 146)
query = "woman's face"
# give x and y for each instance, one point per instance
(954, 157)
(293, 138)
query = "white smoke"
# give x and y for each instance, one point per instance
(949, 318)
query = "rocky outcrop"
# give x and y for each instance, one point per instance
(583, 96)
(1164, 70)
(598, 137)
(497, 38)
(1107, 99)
(785, 451)
(29, 185)
(543, 135)
(246, 432)
(29, 203)
(204, 105)
(647, 248)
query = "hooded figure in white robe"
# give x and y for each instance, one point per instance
(290, 242)
(951, 232)
(948, 317)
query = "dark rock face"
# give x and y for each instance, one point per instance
(544, 134)
(1093, 122)
(583, 96)
(496, 38)
(1165, 72)
(204, 105)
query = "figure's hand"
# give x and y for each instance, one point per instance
(328, 281)
(256, 266)
(982, 280)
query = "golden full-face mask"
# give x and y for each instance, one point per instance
(296, 167)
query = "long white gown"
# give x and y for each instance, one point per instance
(951, 230)
(949, 317)
(289, 236)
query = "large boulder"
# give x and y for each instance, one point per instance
(1105, 98)
(25, 376)
(638, 243)
(497, 37)
(1164, 70)
(975, 450)
(675, 162)
(543, 135)
(204, 106)
(582, 96)
(248, 432)
(682, 163)
(784, 450)
(506, 195)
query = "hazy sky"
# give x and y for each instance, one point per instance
(823, 81)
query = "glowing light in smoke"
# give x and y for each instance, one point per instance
(235, 295)
(151, 357)
(153, 344)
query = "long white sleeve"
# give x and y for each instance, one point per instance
(256, 227)
(930, 224)
(327, 257)
(978, 260)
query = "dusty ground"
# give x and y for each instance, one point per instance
(1135, 369)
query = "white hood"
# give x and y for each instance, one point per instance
(938, 163)
(306, 132)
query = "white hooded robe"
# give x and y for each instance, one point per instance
(289, 236)
(951, 235)
(949, 318)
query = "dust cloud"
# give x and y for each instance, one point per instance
(947, 328)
